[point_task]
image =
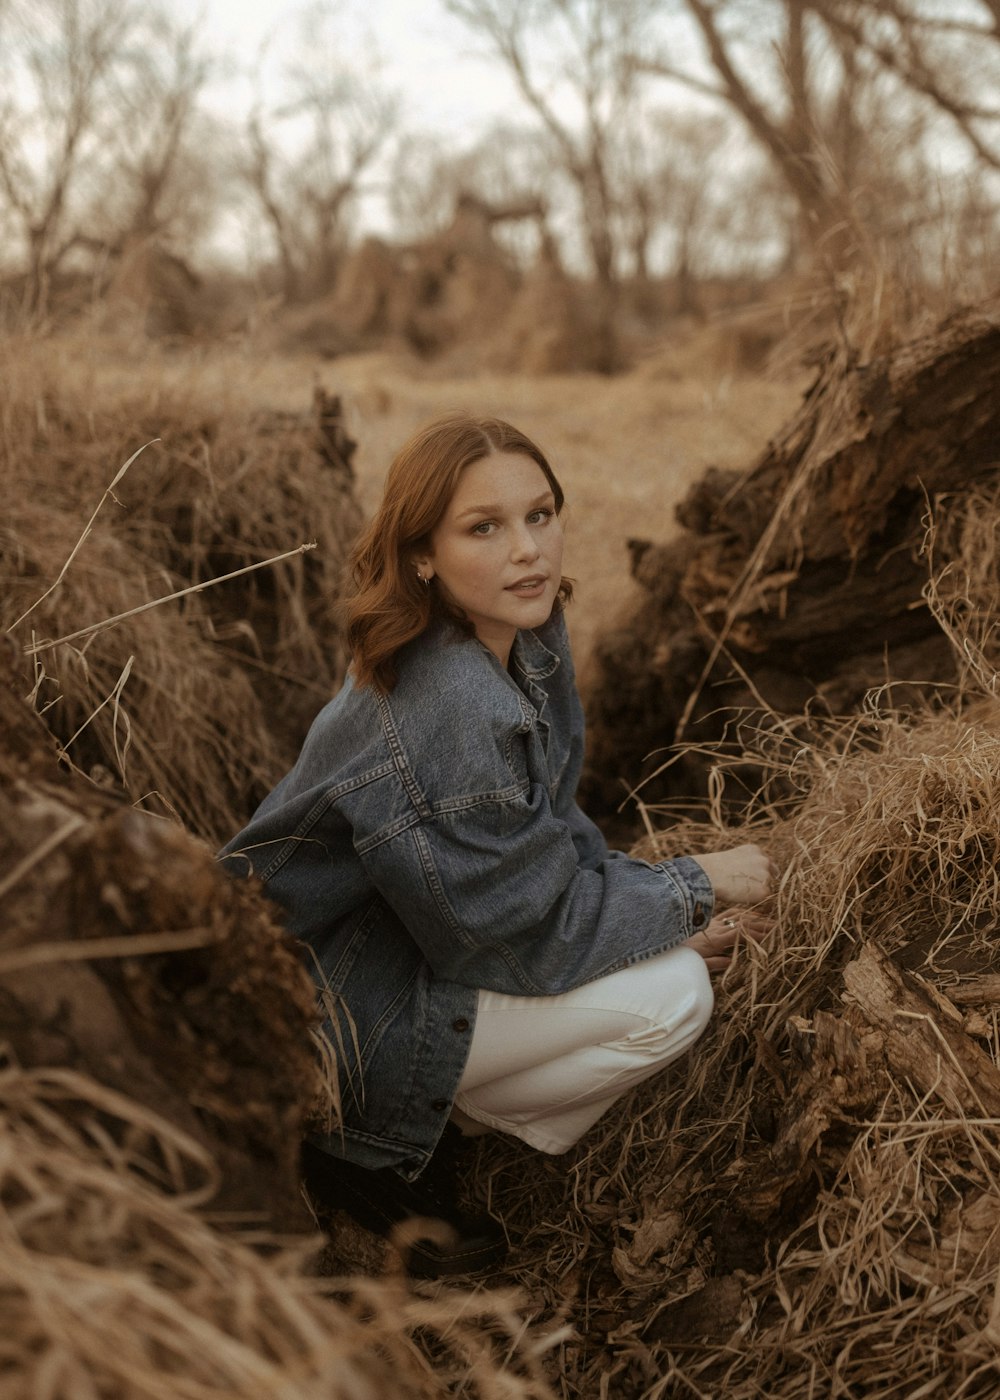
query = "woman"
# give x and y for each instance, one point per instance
(486, 961)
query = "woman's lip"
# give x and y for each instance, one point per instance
(535, 581)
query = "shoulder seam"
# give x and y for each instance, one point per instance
(406, 777)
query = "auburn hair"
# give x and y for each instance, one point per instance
(389, 605)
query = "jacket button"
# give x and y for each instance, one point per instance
(439, 1105)
(698, 917)
(460, 1025)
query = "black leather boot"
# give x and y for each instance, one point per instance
(381, 1200)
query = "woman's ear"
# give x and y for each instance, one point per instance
(424, 567)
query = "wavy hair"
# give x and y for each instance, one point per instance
(389, 605)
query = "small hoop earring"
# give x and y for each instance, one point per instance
(423, 579)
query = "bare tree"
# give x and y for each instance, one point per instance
(504, 169)
(804, 77)
(576, 57)
(96, 133)
(948, 54)
(164, 171)
(425, 178)
(766, 69)
(61, 58)
(684, 194)
(308, 156)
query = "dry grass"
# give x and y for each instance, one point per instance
(875, 1281)
(114, 1282)
(961, 546)
(195, 707)
(864, 1263)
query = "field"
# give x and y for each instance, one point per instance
(812, 1209)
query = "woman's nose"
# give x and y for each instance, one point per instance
(524, 544)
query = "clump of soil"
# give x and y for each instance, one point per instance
(195, 707)
(128, 956)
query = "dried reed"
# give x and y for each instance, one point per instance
(113, 1283)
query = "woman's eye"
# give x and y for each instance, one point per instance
(537, 517)
(483, 528)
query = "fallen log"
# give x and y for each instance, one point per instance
(801, 581)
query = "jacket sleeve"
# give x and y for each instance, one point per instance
(496, 896)
(591, 847)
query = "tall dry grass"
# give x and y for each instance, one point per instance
(195, 707)
(877, 1277)
(113, 1281)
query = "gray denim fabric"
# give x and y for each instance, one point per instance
(428, 843)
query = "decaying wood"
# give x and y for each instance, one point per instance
(976, 992)
(801, 580)
(893, 1028)
(923, 1037)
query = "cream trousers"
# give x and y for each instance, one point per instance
(544, 1069)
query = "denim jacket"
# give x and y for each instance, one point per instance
(428, 843)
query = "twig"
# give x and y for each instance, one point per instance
(115, 695)
(167, 598)
(130, 945)
(54, 839)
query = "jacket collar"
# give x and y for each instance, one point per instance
(532, 658)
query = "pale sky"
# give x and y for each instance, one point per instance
(433, 63)
(428, 56)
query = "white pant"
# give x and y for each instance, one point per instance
(545, 1068)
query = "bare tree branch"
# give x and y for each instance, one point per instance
(306, 188)
(906, 59)
(588, 48)
(94, 130)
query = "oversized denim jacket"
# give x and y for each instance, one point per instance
(428, 843)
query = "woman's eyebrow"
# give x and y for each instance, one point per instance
(497, 509)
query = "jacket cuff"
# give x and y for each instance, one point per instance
(697, 888)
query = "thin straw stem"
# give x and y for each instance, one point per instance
(109, 491)
(103, 626)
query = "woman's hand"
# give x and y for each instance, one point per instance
(715, 943)
(743, 875)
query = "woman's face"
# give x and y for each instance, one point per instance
(497, 551)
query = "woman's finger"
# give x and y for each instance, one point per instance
(736, 921)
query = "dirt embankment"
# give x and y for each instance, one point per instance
(802, 582)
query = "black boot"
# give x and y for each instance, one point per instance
(380, 1200)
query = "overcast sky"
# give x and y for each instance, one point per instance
(428, 56)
